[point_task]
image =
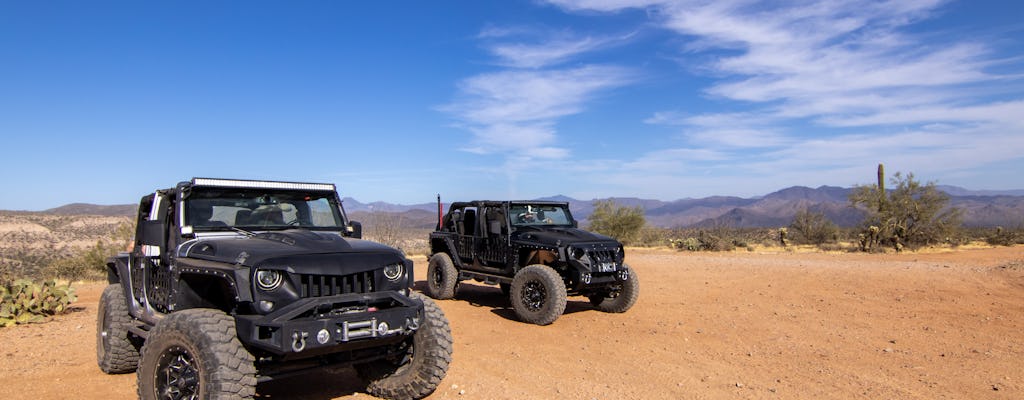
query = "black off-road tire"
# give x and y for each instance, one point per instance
(196, 352)
(422, 363)
(621, 298)
(116, 353)
(442, 277)
(538, 294)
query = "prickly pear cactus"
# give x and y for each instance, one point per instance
(23, 301)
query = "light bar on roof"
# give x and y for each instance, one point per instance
(261, 184)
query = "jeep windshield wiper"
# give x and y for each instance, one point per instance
(242, 231)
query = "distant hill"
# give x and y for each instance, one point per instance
(959, 191)
(118, 210)
(980, 208)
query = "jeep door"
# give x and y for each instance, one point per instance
(150, 257)
(465, 233)
(493, 238)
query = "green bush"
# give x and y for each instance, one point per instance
(911, 214)
(1005, 237)
(24, 301)
(814, 228)
(688, 244)
(85, 264)
(620, 222)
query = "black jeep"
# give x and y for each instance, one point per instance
(232, 282)
(535, 252)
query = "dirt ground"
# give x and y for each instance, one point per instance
(707, 325)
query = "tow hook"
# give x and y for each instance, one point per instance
(299, 341)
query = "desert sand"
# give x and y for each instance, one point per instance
(927, 325)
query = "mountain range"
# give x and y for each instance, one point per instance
(980, 208)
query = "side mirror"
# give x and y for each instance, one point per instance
(354, 229)
(575, 224)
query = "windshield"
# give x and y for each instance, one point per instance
(539, 214)
(213, 209)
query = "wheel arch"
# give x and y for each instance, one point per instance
(447, 246)
(201, 290)
(537, 255)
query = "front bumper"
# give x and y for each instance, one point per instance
(584, 279)
(324, 325)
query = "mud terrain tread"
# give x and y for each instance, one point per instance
(122, 356)
(555, 302)
(442, 263)
(423, 375)
(625, 299)
(227, 369)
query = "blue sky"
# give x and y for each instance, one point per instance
(101, 102)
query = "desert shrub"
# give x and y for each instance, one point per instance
(23, 301)
(814, 228)
(416, 247)
(688, 244)
(1005, 237)
(650, 236)
(386, 228)
(836, 246)
(89, 263)
(715, 240)
(720, 238)
(620, 222)
(911, 214)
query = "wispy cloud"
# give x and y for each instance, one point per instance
(536, 55)
(829, 86)
(515, 111)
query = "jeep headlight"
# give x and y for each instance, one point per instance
(393, 271)
(576, 252)
(267, 279)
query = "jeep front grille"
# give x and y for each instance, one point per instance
(330, 285)
(602, 255)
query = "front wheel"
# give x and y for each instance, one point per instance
(418, 365)
(195, 354)
(620, 297)
(442, 277)
(115, 351)
(538, 294)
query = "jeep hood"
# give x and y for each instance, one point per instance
(559, 236)
(288, 247)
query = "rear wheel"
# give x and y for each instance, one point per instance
(420, 363)
(538, 294)
(195, 354)
(620, 297)
(115, 351)
(442, 277)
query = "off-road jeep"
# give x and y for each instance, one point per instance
(232, 282)
(535, 252)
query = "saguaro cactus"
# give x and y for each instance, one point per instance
(881, 186)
